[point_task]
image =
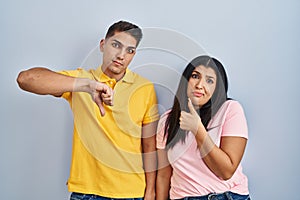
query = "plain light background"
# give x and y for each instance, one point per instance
(257, 41)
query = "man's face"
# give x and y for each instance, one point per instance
(118, 52)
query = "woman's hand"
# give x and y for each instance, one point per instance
(190, 121)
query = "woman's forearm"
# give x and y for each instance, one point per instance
(223, 160)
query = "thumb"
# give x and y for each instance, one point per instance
(102, 110)
(101, 107)
(191, 107)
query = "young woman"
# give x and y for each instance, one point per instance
(202, 138)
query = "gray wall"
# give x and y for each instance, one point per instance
(257, 41)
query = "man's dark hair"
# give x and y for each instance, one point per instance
(124, 26)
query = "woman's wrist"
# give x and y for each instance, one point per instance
(199, 128)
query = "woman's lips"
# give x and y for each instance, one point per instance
(197, 94)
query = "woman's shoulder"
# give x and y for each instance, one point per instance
(163, 117)
(165, 113)
(231, 104)
(229, 108)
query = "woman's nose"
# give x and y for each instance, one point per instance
(199, 84)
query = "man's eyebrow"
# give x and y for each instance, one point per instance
(120, 43)
(117, 41)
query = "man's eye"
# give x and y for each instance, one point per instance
(116, 45)
(131, 51)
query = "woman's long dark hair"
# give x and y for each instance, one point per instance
(172, 129)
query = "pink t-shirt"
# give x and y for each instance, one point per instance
(191, 177)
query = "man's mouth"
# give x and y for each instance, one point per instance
(117, 63)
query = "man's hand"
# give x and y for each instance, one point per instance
(101, 93)
(190, 121)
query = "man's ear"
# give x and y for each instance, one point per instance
(101, 44)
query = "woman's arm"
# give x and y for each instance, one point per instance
(222, 161)
(164, 172)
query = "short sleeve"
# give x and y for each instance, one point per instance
(235, 123)
(73, 73)
(152, 110)
(161, 139)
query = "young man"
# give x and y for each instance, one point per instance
(115, 119)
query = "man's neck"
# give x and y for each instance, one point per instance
(117, 77)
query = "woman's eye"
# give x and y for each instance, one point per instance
(210, 81)
(195, 76)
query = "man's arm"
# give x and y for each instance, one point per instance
(149, 158)
(44, 81)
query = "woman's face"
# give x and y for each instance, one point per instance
(201, 85)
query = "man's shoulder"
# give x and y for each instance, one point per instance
(138, 78)
(78, 72)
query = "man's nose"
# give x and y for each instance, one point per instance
(121, 53)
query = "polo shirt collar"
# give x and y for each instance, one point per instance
(101, 77)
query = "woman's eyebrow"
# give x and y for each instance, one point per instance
(213, 77)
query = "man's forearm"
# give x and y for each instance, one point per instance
(149, 158)
(44, 81)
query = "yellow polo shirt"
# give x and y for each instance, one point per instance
(106, 157)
